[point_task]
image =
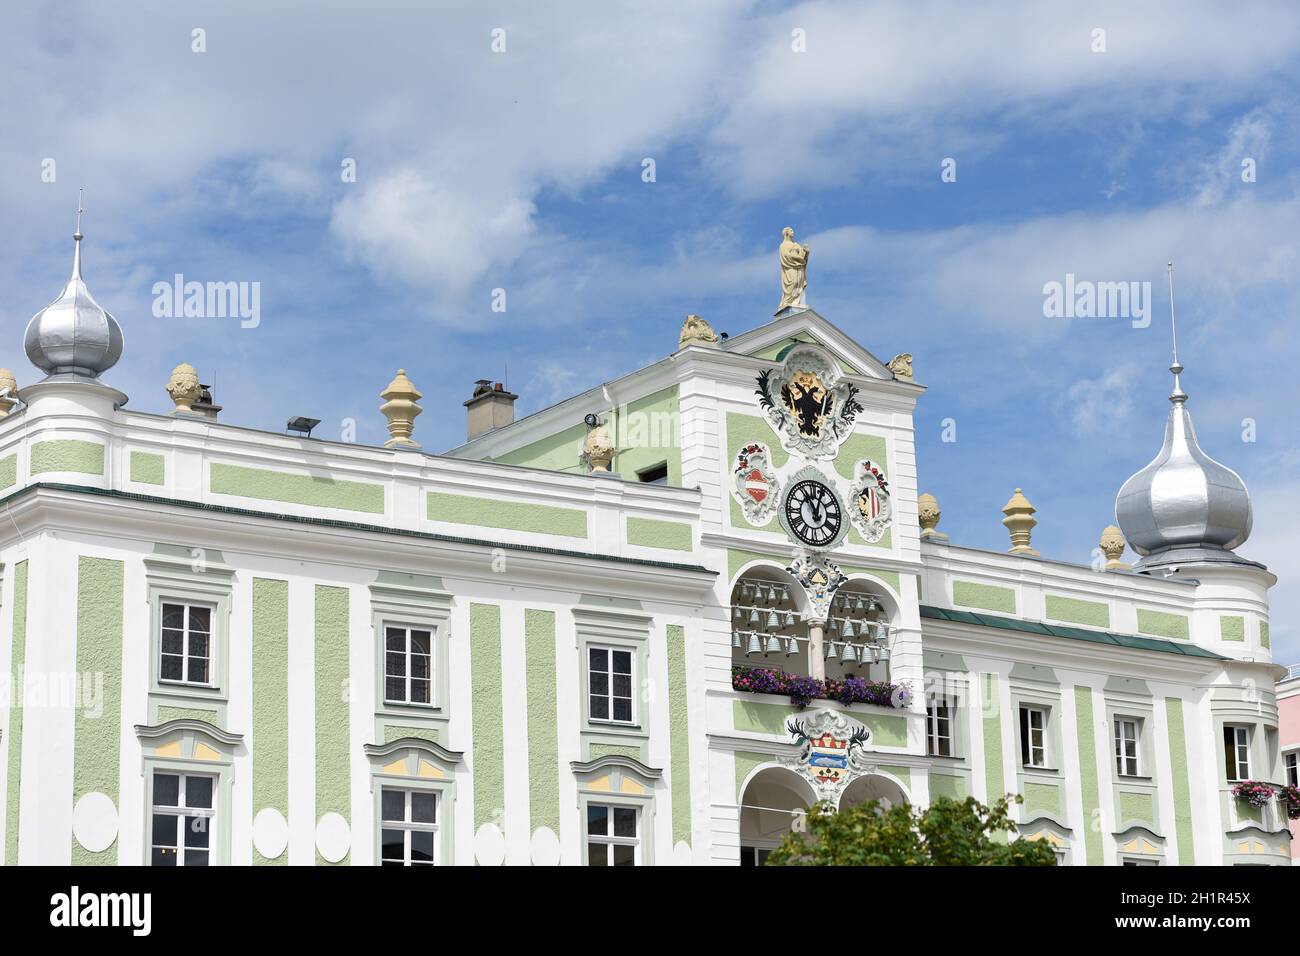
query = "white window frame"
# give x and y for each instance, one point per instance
(1027, 740)
(608, 841)
(934, 723)
(181, 811)
(1240, 754)
(1128, 750)
(407, 656)
(408, 826)
(1291, 767)
(610, 696)
(185, 656)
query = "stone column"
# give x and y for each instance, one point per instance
(816, 654)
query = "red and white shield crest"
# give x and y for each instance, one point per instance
(755, 483)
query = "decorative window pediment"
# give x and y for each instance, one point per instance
(413, 757)
(187, 739)
(615, 773)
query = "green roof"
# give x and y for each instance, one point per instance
(1069, 633)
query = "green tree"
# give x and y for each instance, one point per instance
(946, 833)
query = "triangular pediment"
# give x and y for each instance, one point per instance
(779, 337)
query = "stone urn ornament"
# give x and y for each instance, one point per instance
(183, 387)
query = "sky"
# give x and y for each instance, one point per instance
(504, 146)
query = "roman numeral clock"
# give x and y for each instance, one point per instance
(812, 511)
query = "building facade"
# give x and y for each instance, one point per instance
(1288, 707)
(648, 625)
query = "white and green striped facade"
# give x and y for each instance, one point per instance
(518, 563)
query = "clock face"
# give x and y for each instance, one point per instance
(813, 513)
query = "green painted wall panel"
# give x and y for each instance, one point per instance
(558, 452)
(746, 761)
(596, 750)
(14, 739)
(1042, 798)
(1263, 634)
(743, 429)
(397, 732)
(543, 721)
(97, 757)
(679, 734)
(761, 718)
(857, 447)
(1182, 786)
(1160, 624)
(148, 469)
(986, 597)
(333, 749)
(881, 574)
(510, 515)
(317, 492)
(995, 785)
(68, 455)
(1232, 627)
(1088, 784)
(8, 472)
(489, 764)
(646, 431)
(649, 432)
(166, 713)
(1135, 806)
(947, 785)
(1074, 611)
(270, 743)
(650, 533)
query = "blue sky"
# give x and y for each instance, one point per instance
(522, 170)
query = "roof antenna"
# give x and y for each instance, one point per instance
(1177, 396)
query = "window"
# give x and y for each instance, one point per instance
(1236, 751)
(1126, 746)
(754, 855)
(609, 684)
(186, 644)
(183, 819)
(408, 828)
(938, 726)
(654, 475)
(1292, 773)
(1033, 736)
(408, 665)
(1130, 861)
(613, 837)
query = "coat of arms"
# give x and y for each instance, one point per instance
(805, 401)
(820, 579)
(756, 485)
(871, 507)
(830, 750)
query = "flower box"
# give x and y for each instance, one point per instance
(1254, 793)
(804, 690)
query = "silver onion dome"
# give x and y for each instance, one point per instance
(1184, 506)
(74, 335)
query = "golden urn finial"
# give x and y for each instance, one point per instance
(927, 508)
(8, 391)
(1112, 546)
(400, 409)
(183, 387)
(598, 450)
(1020, 522)
(695, 331)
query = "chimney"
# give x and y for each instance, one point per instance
(205, 405)
(490, 407)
